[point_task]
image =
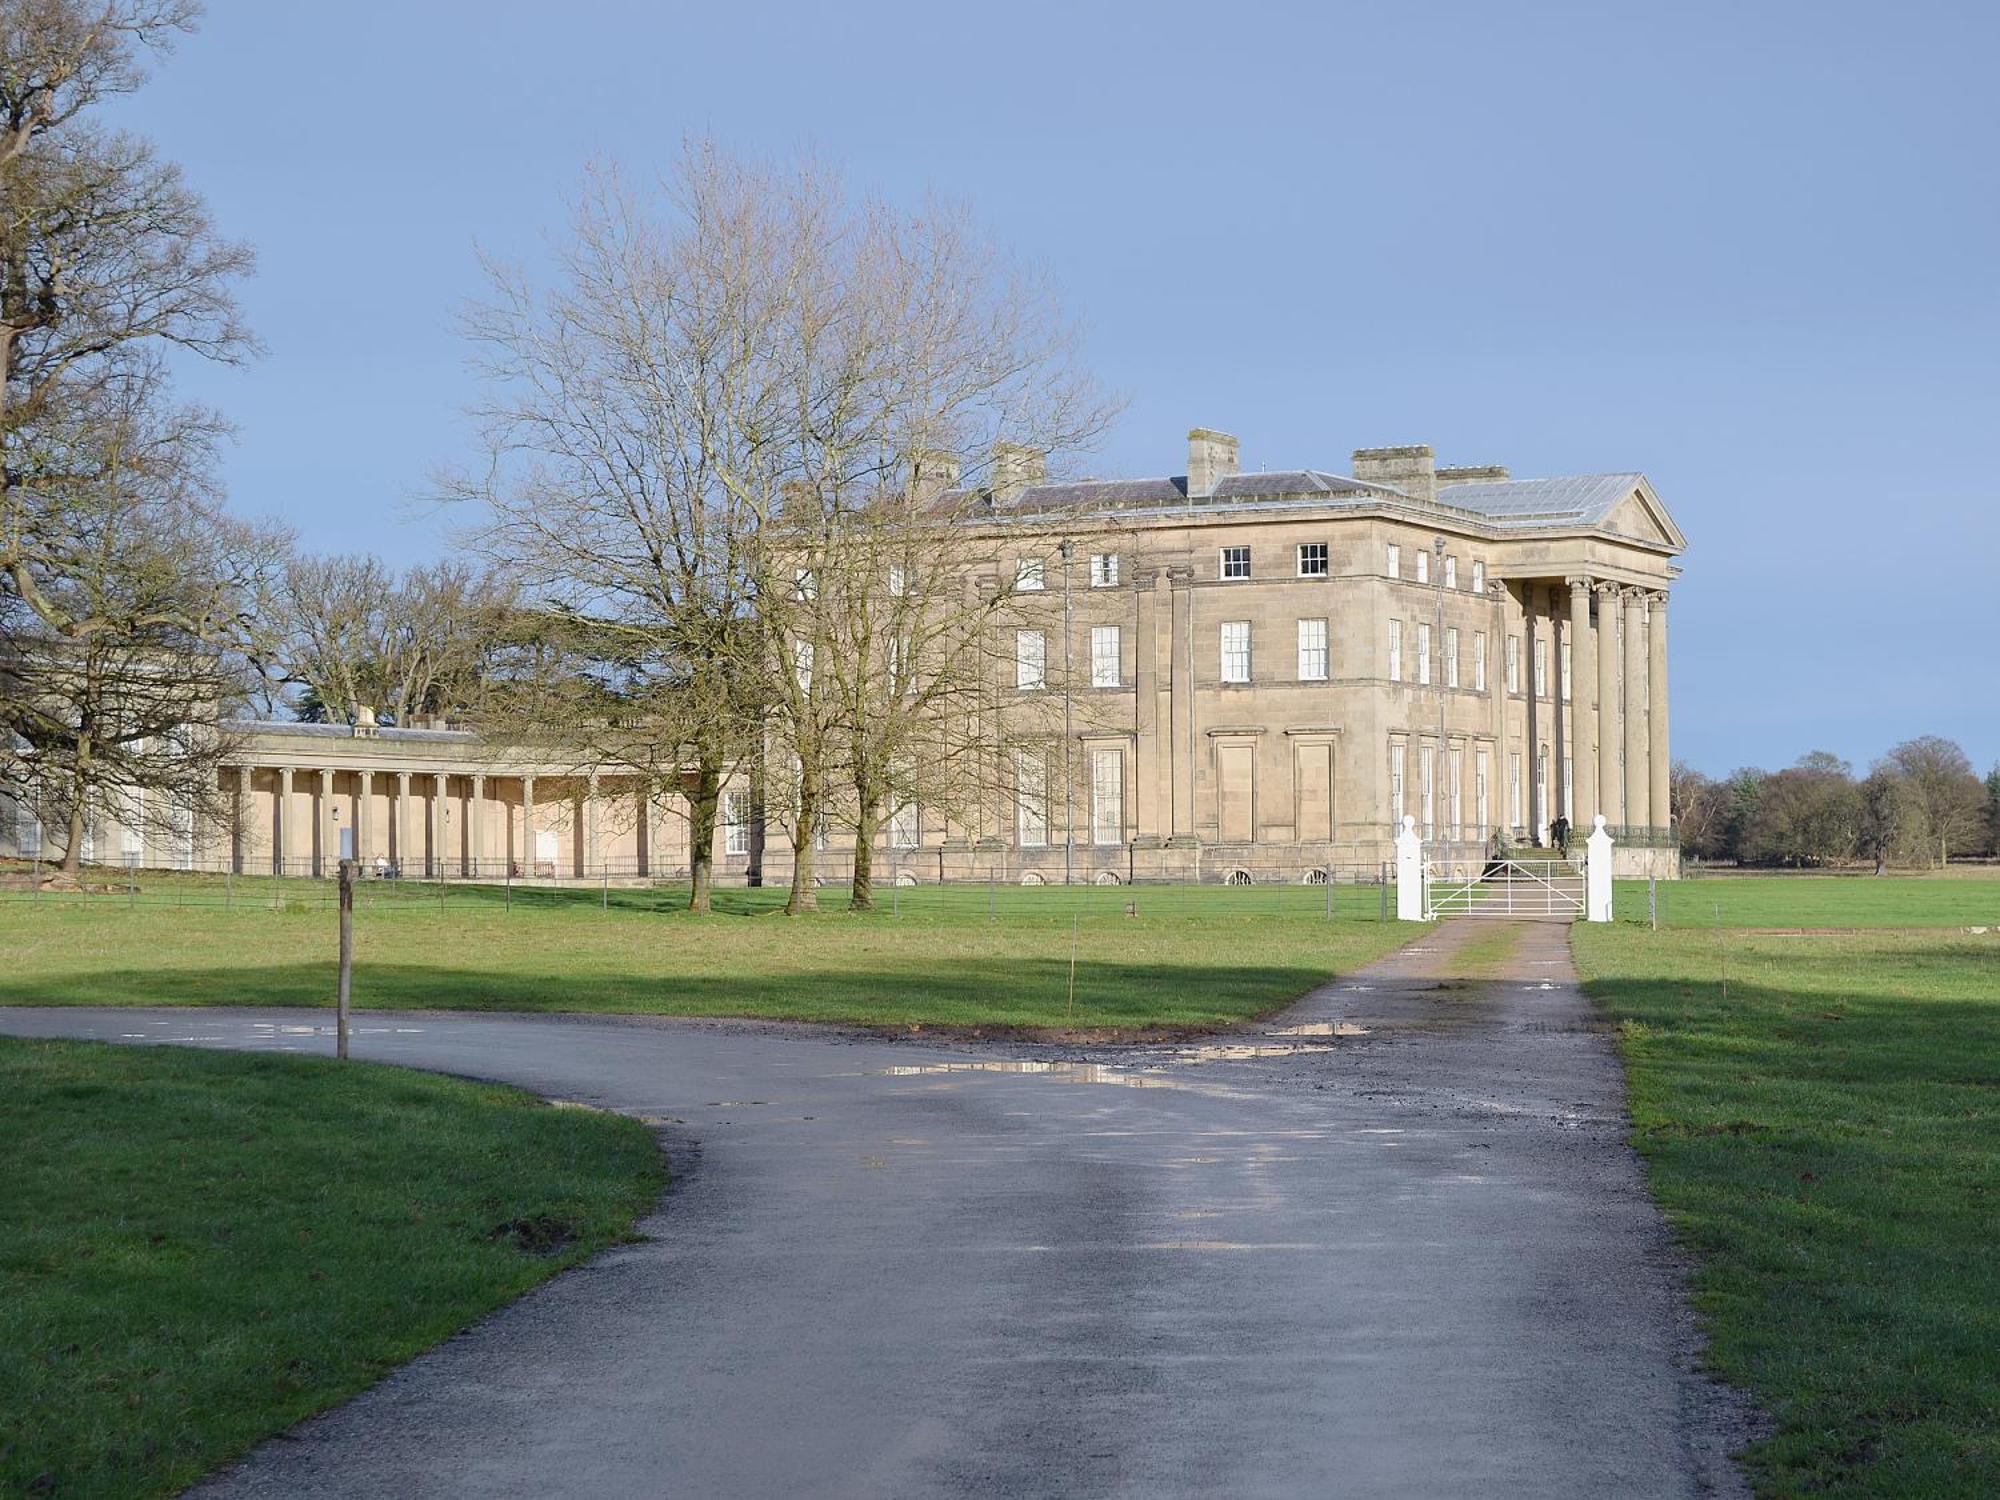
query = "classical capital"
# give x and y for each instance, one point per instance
(1580, 584)
(1606, 589)
(1656, 598)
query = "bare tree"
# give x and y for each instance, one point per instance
(1808, 815)
(107, 260)
(1698, 810)
(631, 425)
(913, 353)
(125, 623)
(355, 638)
(105, 254)
(1945, 801)
(1881, 828)
(727, 395)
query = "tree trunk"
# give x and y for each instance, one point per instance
(703, 800)
(84, 767)
(868, 818)
(804, 895)
(72, 860)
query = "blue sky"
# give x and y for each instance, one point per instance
(1750, 250)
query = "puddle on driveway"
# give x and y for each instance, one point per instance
(1061, 1072)
(1151, 1071)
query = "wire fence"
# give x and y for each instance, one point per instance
(1355, 890)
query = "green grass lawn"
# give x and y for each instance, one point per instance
(1827, 1140)
(1818, 901)
(954, 956)
(199, 1248)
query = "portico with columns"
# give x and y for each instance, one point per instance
(432, 804)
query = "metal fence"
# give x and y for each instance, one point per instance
(999, 886)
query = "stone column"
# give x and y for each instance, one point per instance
(239, 822)
(1538, 816)
(287, 824)
(402, 823)
(1656, 711)
(527, 856)
(644, 810)
(437, 860)
(1583, 684)
(364, 818)
(1610, 776)
(593, 829)
(1638, 784)
(475, 827)
(328, 863)
(1559, 715)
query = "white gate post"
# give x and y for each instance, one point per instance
(1597, 874)
(1409, 873)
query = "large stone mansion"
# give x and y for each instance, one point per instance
(1270, 670)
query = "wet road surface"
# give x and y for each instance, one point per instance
(1389, 1244)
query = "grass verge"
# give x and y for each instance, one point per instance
(1176, 964)
(201, 1248)
(1825, 1141)
(1817, 901)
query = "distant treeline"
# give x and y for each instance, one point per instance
(1921, 804)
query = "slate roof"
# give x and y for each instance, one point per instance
(1567, 500)
(1574, 499)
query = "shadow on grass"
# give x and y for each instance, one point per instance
(1016, 991)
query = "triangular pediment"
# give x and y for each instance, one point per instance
(1641, 516)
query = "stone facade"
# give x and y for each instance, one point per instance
(1301, 658)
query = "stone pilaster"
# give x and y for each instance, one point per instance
(364, 817)
(1659, 763)
(1180, 747)
(1638, 784)
(1610, 715)
(1583, 705)
(1496, 691)
(1149, 784)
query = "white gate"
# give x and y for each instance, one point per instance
(1540, 891)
